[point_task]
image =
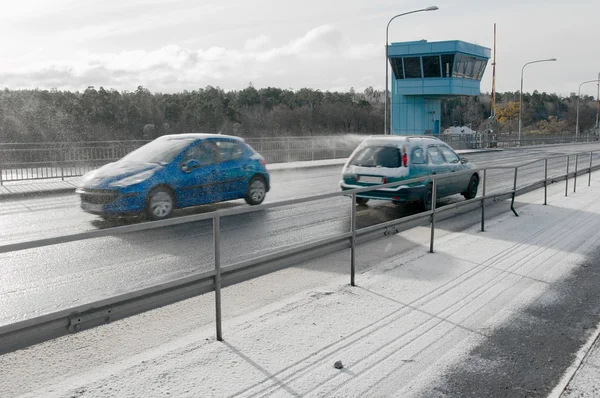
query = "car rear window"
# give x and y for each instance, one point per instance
(378, 156)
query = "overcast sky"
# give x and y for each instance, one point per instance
(172, 45)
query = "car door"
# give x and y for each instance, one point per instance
(199, 180)
(457, 183)
(233, 168)
(438, 166)
(418, 163)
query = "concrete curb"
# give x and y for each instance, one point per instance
(62, 191)
(580, 358)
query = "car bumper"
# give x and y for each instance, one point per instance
(399, 194)
(106, 201)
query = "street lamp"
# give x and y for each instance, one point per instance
(432, 8)
(579, 96)
(521, 93)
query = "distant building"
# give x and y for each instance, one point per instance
(424, 73)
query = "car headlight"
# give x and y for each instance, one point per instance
(132, 180)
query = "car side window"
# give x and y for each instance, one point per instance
(449, 154)
(435, 156)
(204, 153)
(418, 156)
(229, 150)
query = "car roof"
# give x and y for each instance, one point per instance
(198, 136)
(409, 140)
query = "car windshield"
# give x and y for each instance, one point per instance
(157, 151)
(377, 156)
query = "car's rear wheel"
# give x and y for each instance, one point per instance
(427, 197)
(160, 203)
(362, 201)
(257, 190)
(472, 188)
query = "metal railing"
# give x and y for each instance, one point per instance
(31, 331)
(19, 162)
(482, 141)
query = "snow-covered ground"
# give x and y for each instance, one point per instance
(412, 318)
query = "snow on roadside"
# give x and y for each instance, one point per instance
(401, 327)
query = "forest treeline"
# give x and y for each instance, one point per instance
(103, 114)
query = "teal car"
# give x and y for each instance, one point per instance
(387, 159)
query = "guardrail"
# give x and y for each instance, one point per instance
(19, 162)
(480, 141)
(25, 333)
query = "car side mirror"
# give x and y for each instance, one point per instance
(190, 165)
(464, 160)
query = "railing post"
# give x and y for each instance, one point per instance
(433, 204)
(567, 177)
(545, 181)
(217, 255)
(353, 240)
(590, 175)
(512, 203)
(483, 201)
(1, 172)
(575, 177)
(288, 149)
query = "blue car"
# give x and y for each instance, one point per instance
(176, 171)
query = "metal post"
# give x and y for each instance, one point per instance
(1, 183)
(385, 112)
(545, 181)
(483, 201)
(217, 254)
(512, 203)
(353, 241)
(590, 175)
(567, 177)
(521, 94)
(521, 106)
(575, 177)
(433, 204)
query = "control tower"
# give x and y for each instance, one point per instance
(426, 72)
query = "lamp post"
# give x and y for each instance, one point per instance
(578, 97)
(521, 93)
(432, 8)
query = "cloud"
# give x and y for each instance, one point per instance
(174, 67)
(257, 43)
(362, 51)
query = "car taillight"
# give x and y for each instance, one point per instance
(385, 180)
(263, 162)
(405, 160)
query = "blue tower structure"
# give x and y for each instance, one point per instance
(426, 72)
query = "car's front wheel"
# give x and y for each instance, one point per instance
(160, 204)
(257, 190)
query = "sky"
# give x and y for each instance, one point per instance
(176, 45)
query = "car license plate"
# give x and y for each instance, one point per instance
(93, 207)
(372, 180)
